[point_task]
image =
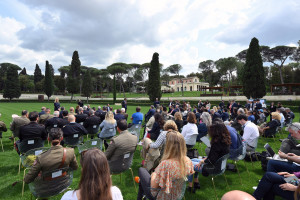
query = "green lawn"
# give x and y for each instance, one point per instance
(9, 164)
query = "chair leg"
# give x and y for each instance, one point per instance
(23, 186)
(212, 180)
(133, 180)
(19, 166)
(2, 145)
(251, 160)
(246, 168)
(120, 177)
(226, 180)
(238, 172)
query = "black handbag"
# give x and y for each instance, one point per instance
(192, 153)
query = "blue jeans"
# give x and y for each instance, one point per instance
(280, 166)
(195, 161)
(268, 187)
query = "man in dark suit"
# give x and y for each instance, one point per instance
(80, 117)
(102, 114)
(156, 103)
(85, 110)
(73, 128)
(65, 118)
(124, 104)
(61, 112)
(91, 124)
(124, 143)
(150, 113)
(54, 122)
(42, 111)
(119, 115)
(33, 129)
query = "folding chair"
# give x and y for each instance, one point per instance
(73, 140)
(94, 143)
(122, 164)
(135, 130)
(1, 141)
(93, 130)
(253, 150)
(51, 183)
(239, 154)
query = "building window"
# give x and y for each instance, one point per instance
(181, 88)
(195, 80)
(184, 88)
(177, 89)
(191, 88)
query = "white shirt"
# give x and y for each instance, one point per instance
(190, 132)
(282, 118)
(251, 133)
(115, 192)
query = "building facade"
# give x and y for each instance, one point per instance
(188, 84)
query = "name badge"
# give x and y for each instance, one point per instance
(55, 125)
(57, 174)
(38, 152)
(75, 136)
(111, 130)
(127, 155)
(81, 123)
(30, 141)
(95, 126)
(136, 126)
(94, 143)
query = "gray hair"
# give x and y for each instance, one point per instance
(295, 126)
(84, 107)
(206, 118)
(56, 113)
(241, 111)
(122, 109)
(99, 107)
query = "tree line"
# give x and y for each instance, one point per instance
(123, 77)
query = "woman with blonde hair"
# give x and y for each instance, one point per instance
(178, 121)
(167, 179)
(95, 181)
(271, 127)
(108, 126)
(56, 104)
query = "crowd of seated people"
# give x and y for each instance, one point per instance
(182, 125)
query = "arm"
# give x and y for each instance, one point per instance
(73, 163)
(110, 150)
(44, 134)
(158, 142)
(102, 125)
(33, 172)
(153, 183)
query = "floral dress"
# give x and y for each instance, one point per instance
(169, 179)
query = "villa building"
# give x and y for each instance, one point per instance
(189, 84)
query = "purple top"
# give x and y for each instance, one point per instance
(297, 174)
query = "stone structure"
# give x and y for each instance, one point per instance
(189, 84)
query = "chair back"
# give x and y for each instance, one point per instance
(121, 164)
(51, 183)
(94, 143)
(135, 130)
(239, 153)
(219, 167)
(93, 129)
(28, 144)
(74, 139)
(29, 157)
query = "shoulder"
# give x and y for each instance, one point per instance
(70, 195)
(116, 193)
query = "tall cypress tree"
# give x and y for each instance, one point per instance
(23, 72)
(87, 86)
(154, 88)
(73, 79)
(38, 76)
(12, 85)
(253, 74)
(49, 84)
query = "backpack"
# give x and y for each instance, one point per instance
(264, 160)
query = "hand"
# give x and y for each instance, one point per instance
(291, 154)
(198, 166)
(288, 187)
(282, 155)
(283, 173)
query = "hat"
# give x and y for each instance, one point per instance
(260, 110)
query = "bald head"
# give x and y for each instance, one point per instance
(56, 113)
(71, 118)
(237, 195)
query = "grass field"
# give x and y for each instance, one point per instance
(9, 164)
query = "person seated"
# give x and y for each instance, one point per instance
(85, 110)
(81, 117)
(175, 110)
(293, 164)
(33, 129)
(2, 127)
(220, 145)
(262, 117)
(123, 112)
(164, 113)
(150, 113)
(103, 113)
(282, 119)
(65, 118)
(270, 128)
(291, 116)
(55, 158)
(137, 117)
(214, 113)
(118, 115)
(190, 131)
(167, 179)
(203, 125)
(291, 145)
(43, 118)
(157, 126)
(91, 123)
(256, 117)
(42, 111)
(274, 184)
(156, 103)
(18, 122)
(95, 181)
(151, 121)
(73, 128)
(251, 117)
(251, 132)
(61, 109)
(122, 144)
(108, 126)
(72, 111)
(178, 121)
(54, 122)
(225, 115)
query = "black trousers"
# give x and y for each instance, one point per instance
(144, 184)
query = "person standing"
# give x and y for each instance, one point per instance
(156, 102)
(56, 104)
(124, 104)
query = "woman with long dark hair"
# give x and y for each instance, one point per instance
(220, 144)
(95, 182)
(157, 126)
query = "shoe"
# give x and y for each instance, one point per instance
(191, 189)
(196, 185)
